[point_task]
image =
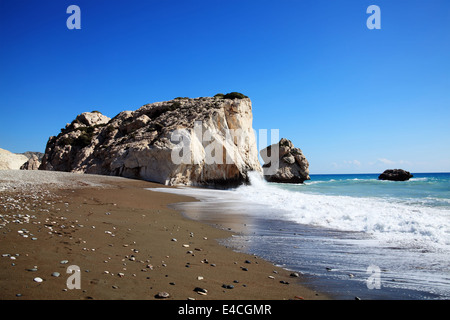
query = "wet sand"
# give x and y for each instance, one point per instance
(127, 243)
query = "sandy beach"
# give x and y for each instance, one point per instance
(126, 241)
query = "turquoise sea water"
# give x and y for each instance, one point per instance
(432, 189)
(336, 227)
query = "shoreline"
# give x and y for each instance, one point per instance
(336, 261)
(122, 237)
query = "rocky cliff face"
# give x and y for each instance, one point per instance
(33, 163)
(202, 141)
(15, 161)
(285, 164)
(11, 161)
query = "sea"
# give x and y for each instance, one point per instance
(351, 236)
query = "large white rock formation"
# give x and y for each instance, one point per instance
(202, 141)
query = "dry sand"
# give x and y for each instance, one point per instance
(122, 238)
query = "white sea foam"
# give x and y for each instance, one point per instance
(408, 236)
(403, 223)
(384, 219)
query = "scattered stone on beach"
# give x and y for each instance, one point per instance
(112, 250)
(294, 275)
(284, 282)
(201, 291)
(162, 295)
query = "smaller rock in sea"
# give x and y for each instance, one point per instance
(395, 175)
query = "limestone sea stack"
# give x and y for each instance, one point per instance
(201, 141)
(284, 163)
(395, 175)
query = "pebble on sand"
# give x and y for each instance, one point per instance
(162, 295)
(201, 291)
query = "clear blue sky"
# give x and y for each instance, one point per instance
(353, 99)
